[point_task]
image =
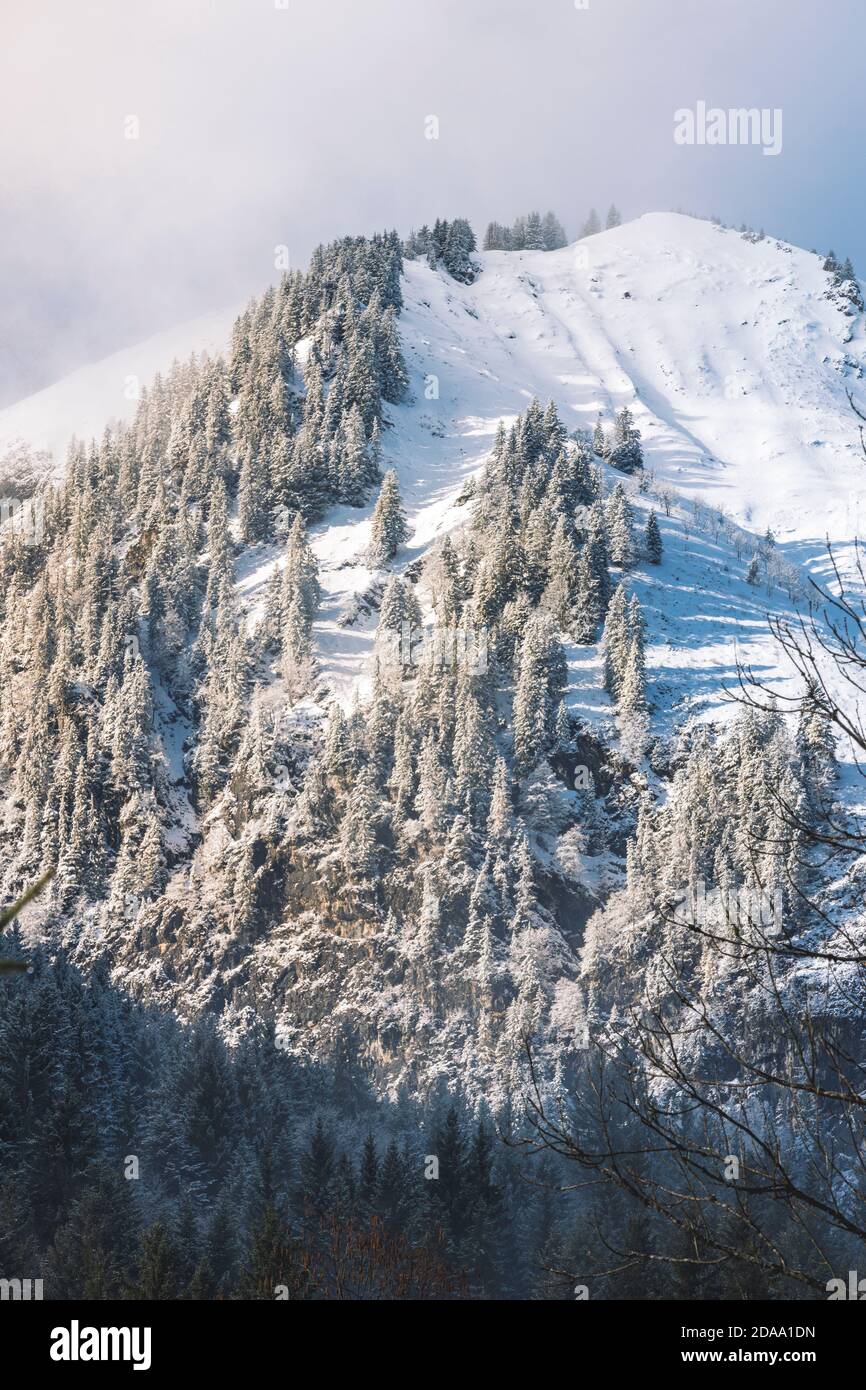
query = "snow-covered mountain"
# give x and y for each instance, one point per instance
(735, 355)
(735, 358)
(36, 431)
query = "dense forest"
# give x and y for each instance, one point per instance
(320, 1005)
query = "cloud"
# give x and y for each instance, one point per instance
(260, 126)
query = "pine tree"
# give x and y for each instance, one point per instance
(626, 453)
(593, 578)
(317, 1173)
(616, 642)
(368, 1177)
(355, 468)
(588, 605)
(392, 367)
(620, 521)
(254, 498)
(150, 859)
(274, 1262)
(632, 697)
(399, 622)
(358, 845)
(539, 686)
(456, 254)
(653, 540)
(534, 233)
(431, 802)
(553, 232)
(296, 661)
(157, 1276)
(389, 527)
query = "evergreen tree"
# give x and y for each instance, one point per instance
(535, 240)
(626, 453)
(653, 540)
(157, 1266)
(539, 685)
(553, 232)
(620, 518)
(389, 527)
(599, 444)
(633, 692)
(274, 1263)
(616, 642)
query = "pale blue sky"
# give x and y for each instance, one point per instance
(262, 126)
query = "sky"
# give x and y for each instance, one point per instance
(154, 153)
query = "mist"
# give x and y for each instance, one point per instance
(155, 154)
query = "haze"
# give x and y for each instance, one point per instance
(262, 126)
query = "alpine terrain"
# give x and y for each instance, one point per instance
(435, 690)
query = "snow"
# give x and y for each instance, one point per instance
(82, 403)
(734, 363)
(732, 357)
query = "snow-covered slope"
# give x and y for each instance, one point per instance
(83, 403)
(732, 355)
(736, 364)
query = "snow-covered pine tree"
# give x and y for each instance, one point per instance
(653, 540)
(553, 232)
(301, 571)
(599, 443)
(588, 603)
(626, 453)
(358, 845)
(296, 661)
(632, 697)
(431, 801)
(393, 375)
(457, 251)
(541, 680)
(518, 234)
(389, 527)
(616, 642)
(399, 633)
(534, 233)
(620, 522)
